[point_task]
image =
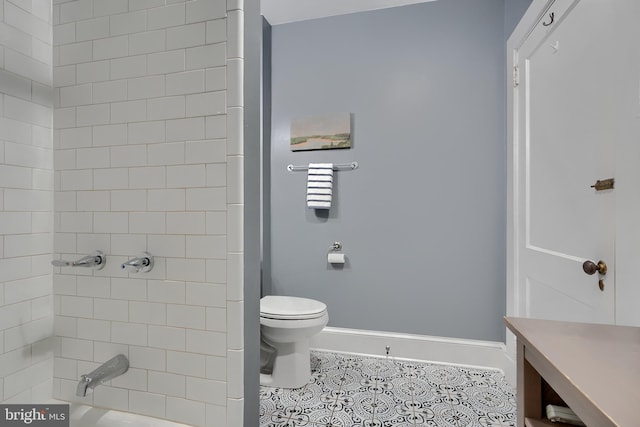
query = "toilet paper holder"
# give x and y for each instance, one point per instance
(336, 246)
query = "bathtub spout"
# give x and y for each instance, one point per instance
(112, 368)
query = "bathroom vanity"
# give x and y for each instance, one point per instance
(594, 368)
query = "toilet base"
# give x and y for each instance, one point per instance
(291, 366)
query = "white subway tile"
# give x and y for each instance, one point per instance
(147, 403)
(131, 155)
(128, 200)
(235, 131)
(122, 244)
(110, 222)
(235, 276)
(172, 107)
(186, 411)
(207, 199)
(76, 10)
(216, 127)
(95, 330)
(75, 95)
(235, 217)
(186, 36)
(27, 156)
(235, 325)
(166, 200)
(217, 271)
(110, 7)
(185, 316)
(216, 319)
(64, 117)
(166, 291)
(216, 78)
(166, 338)
(88, 158)
(207, 342)
(76, 180)
(204, 10)
(110, 134)
(145, 4)
(186, 223)
(130, 111)
(185, 176)
(136, 379)
(64, 243)
(147, 222)
(185, 83)
(213, 55)
(91, 286)
(76, 349)
(205, 151)
(147, 42)
(217, 175)
(166, 383)
(163, 17)
(147, 358)
(166, 245)
(26, 289)
(235, 85)
(27, 22)
(65, 368)
(27, 200)
(15, 176)
(235, 373)
(132, 66)
(15, 39)
(65, 326)
(64, 34)
(206, 104)
(110, 179)
(214, 392)
(128, 289)
(110, 91)
(26, 245)
(235, 179)
(235, 41)
(112, 47)
(165, 154)
(75, 137)
(146, 87)
(148, 312)
(214, 247)
(28, 67)
(15, 314)
(26, 379)
(89, 115)
(166, 62)
(90, 72)
(126, 23)
(128, 333)
(217, 416)
(149, 177)
(92, 29)
(26, 111)
(186, 269)
(109, 309)
(217, 368)
(216, 31)
(185, 129)
(75, 53)
(64, 75)
(111, 397)
(186, 363)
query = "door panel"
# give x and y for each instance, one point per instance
(567, 138)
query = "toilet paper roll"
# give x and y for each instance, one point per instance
(335, 258)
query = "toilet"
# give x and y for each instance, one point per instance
(286, 326)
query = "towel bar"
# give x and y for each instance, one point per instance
(352, 165)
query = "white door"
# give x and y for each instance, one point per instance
(565, 142)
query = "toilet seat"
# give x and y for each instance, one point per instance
(291, 308)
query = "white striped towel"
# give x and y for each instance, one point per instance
(319, 185)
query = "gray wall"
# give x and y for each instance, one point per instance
(423, 218)
(513, 11)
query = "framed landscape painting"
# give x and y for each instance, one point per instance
(322, 132)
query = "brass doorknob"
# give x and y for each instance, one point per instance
(590, 267)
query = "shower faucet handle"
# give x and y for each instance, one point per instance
(143, 263)
(96, 260)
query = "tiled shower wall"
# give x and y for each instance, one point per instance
(148, 157)
(26, 195)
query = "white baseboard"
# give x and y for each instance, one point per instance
(486, 354)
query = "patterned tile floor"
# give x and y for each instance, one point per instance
(348, 391)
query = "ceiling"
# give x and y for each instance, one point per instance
(285, 11)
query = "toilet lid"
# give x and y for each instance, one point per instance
(280, 307)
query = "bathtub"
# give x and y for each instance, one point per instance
(89, 416)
